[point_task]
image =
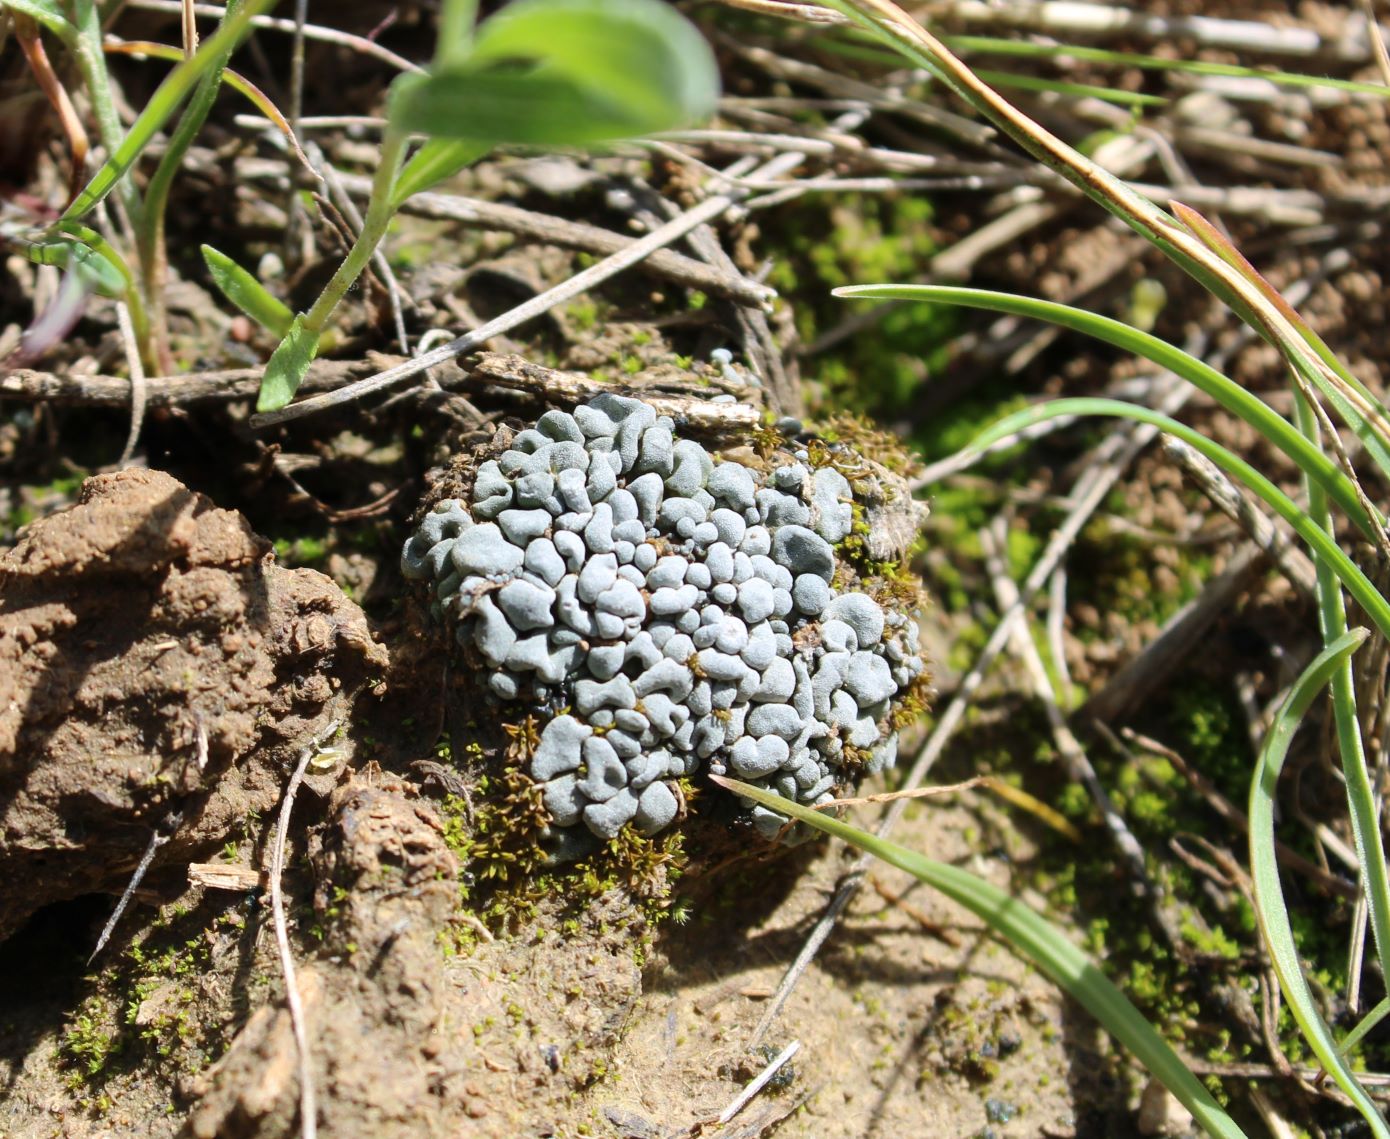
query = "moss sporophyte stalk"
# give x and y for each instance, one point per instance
(641, 611)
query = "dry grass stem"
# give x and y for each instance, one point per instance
(610, 266)
(1107, 463)
(308, 1111)
(139, 392)
(1293, 563)
(760, 1082)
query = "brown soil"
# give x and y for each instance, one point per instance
(142, 613)
(157, 673)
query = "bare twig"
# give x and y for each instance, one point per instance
(610, 266)
(1376, 34)
(1232, 814)
(31, 44)
(220, 876)
(1056, 628)
(790, 10)
(571, 235)
(227, 386)
(1069, 747)
(725, 418)
(909, 793)
(1231, 501)
(743, 1097)
(275, 23)
(161, 835)
(189, 29)
(138, 387)
(308, 1111)
(1103, 21)
(1107, 463)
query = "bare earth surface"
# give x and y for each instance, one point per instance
(142, 613)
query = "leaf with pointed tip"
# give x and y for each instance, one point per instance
(287, 367)
(1271, 910)
(438, 159)
(247, 293)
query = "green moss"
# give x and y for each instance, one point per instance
(859, 239)
(144, 1006)
(582, 314)
(498, 836)
(91, 1040)
(307, 552)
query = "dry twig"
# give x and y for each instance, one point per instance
(308, 1111)
(744, 1097)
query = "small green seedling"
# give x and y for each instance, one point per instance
(93, 261)
(538, 73)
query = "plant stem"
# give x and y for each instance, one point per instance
(154, 261)
(91, 61)
(380, 211)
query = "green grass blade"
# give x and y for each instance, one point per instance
(1035, 938)
(1228, 394)
(1361, 800)
(1323, 546)
(1353, 401)
(247, 293)
(889, 24)
(1364, 1025)
(1063, 87)
(163, 103)
(1270, 907)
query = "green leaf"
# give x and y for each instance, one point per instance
(94, 269)
(456, 20)
(1270, 908)
(566, 72)
(287, 366)
(46, 13)
(437, 160)
(95, 272)
(247, 293)
(1035, 938)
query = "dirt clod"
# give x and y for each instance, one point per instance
(157, 670)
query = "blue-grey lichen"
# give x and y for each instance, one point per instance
(673, 612)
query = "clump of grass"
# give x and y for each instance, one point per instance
(1323, 389)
